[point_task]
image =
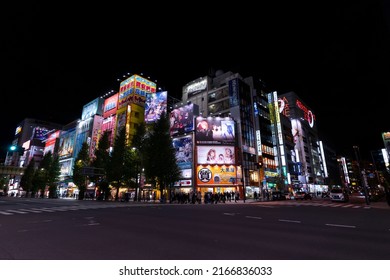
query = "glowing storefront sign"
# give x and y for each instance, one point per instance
(215, 175)
(258, 143)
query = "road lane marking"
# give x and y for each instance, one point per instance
(289, 221)
(338, 225)
(43, 209)
(253, 217)
(16, 211)
(31, 210)
(5, 213)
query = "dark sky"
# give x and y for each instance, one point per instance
(336, 57)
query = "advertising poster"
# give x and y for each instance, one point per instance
(92, 108)
(40, 133)
(183, 151)
(182, 120)
(66, 167)
(110, 105)
(215, 130)
(155, 106)
(215, 175)
(120, 120)
(67, 142)
(51, 142)
(215, 155)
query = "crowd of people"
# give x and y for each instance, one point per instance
(208, 197)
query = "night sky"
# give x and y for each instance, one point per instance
(335, 57)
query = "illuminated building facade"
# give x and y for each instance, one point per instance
(305, 164)
(132, 97)
(227, 95)
(29, 139)
(276, 162)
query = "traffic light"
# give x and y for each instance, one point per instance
(16, 148)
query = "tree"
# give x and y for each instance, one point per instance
(134, 160)
(38, 181)
(116, 168)
(280, 181)
(54, 173)
(101, 163)
(4, 184)
(79, 176)
(132, 169)
(47, 175)
(160, 160)
(26, 182)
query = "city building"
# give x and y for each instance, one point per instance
(225, 102)
(28, 143)
(305, 166)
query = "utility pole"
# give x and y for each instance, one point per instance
(362, 174)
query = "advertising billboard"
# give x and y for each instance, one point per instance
(234, 92)
(40, 133)
(51, 142)
(386, 140)
(215, 175)
(182, 119)
(155, 106)
(67, 142)
(183, 183)
(195, 87)
(66, 167)
(183, 151)
(215, 130)
(215, 155)
(95, 107)
(121, 119)
(134, 90)
(110, 105)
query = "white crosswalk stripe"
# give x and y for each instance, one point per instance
(17, 211)
(55, 209)
(316, 204)
(30, 210)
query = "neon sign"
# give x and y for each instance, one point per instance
(308, 114)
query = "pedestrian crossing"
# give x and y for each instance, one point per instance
(37, 210)
(315, 204)
(268, 204)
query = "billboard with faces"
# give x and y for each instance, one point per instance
(182, 119)
(215, 130)
(183, 151)
(215, 155)
(155, 106)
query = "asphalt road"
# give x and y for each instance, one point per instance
(44, 229)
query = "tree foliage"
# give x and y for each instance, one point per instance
(79, 177)
(101, 162)
(116, 168)
(53, 175)
(160, 161)
(26, 182)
